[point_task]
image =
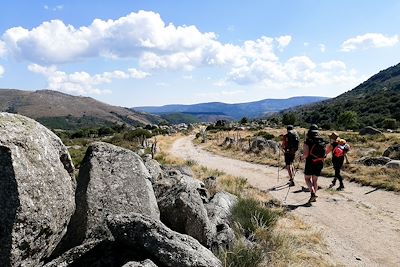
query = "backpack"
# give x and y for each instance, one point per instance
(340, 150)
(318, 150)
(292, 142)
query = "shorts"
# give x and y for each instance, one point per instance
(313, 168)
(289, 158)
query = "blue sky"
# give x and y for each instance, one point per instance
(135, 53)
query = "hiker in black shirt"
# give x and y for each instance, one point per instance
(314, 154)
(290, 144)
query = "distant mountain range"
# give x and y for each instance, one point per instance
(62, 111)
(375, 102)
(217, 110)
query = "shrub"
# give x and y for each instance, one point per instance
(131, 135)
(249, 214)
(266, 135)
(241, 255)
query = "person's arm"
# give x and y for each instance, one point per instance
(329, 149)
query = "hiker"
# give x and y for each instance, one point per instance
(290, 144)
(314, 155)
(338, 147)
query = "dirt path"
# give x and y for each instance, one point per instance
(361, 225)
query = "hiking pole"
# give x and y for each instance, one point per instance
(279, 160)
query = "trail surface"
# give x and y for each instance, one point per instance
(361, 225)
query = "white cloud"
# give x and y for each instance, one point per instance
(369, 40)
(187, 77)
(1, 71)
(333, 64)
(283, 41)
(82, 83)
(322, 48)
(56, 8)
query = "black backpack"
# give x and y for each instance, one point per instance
(292, 141)
(318, 149)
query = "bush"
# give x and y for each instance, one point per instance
(266, 135)
(241, 255)
(249, 214)
(131, 135)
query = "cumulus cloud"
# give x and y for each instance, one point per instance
(333, 64)
(1, 71)
(82, 83)
(322, 48)
(56, 8)
(369, 40)
(283, 41)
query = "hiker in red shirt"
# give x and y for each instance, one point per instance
(338, 147)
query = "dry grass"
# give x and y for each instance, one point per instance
(380, 177)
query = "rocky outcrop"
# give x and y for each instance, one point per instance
(259, 144)
(219, 212)
(112, 180)
(373, 161)
(393, 164)
(181, 206)
(154, 169)
(36, 191)
(168, 247)
(145, 263)
(392, 152)
(369, 131)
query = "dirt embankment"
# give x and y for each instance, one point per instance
(361, 225)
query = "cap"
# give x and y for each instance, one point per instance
(314, 127)
(289, 127)
(341, 141)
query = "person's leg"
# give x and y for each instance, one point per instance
(338, 175)
(314, 180)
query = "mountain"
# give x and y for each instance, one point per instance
(233, 111)
(58, 110)
(375, 102)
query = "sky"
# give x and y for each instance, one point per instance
(141, 53)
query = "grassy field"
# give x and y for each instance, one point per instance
(376, 176)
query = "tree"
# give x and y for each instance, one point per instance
(244, 120)
(289, 118)
(347, 120)
(389, 123)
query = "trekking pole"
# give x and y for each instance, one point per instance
(279, 160)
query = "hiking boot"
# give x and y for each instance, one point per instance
(313, 198)
(331, 185)
(291, 183)
(340, 188)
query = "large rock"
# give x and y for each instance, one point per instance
(369, 131)
(393, 164)
(36, 191)
(219, 213)
(154, 169)
(180, 199)
(112, 180)
(373, 161)
(259, 144)
(392, 152)
(145, 263)
(168, 247)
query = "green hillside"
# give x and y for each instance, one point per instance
(375, 102)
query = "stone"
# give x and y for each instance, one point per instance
(392, 152)
(111, 180)
(154, 169)
(369, 131)
(393, 164)
(373, 161)
(219, 212)
(36, 191)
(145, 263)
(259, 144)
(168, 247)
(182, 209)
